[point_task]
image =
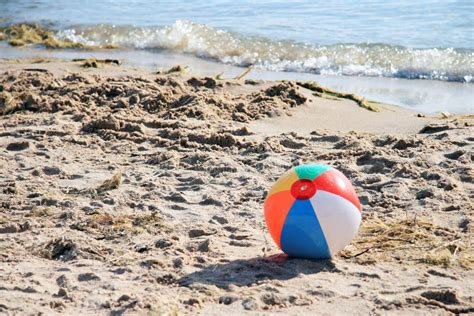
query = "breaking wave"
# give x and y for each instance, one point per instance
(448, 64)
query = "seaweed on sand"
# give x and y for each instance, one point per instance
(110, 184)
(24, 34)
(326, 92)
(33, 60)
(447, 115)
(7, 103)
(220, 76)
(174, 69)
(244, 74)
(419, 241)
(95, 63)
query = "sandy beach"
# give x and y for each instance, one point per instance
(129, 192)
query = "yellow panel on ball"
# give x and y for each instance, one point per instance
(284, 183)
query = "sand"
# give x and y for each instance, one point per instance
(128, 192)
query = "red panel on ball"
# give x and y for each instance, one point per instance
(334, 181)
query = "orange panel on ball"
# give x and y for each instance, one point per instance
(276, 209)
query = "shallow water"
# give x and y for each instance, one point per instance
(425, 39)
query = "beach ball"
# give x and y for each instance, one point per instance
(312, 211)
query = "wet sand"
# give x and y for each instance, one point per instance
(125, 191)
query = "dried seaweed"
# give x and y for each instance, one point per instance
(419, 241)
(110, 184)
(174, 69)
(244, 74)
(7, 103)
(328, 93)
(96, 63)
(24, 34)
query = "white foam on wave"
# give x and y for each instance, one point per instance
(342, 59)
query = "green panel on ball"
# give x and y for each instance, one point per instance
(310, 171)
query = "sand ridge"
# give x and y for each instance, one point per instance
(179, 226)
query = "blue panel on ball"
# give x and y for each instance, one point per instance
(302, 235)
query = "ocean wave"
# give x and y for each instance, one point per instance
(374, 60)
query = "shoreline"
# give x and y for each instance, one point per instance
(127, 191)
(428, 96)
(334, 114)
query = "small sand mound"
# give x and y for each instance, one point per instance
(166, 97)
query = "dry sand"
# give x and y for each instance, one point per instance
(129, 192)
